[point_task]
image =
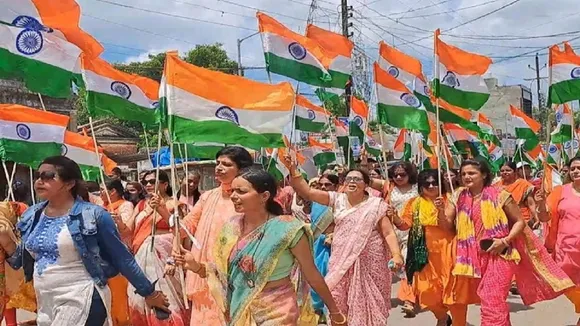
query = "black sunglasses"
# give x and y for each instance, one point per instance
(428, 184)
(148, 182)
(45, 176)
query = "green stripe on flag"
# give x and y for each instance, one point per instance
(327, 97)
(562, 135)
(403, 117)
(309, 125)
(24, 152)
(324, 158)
(565, 91)
(296, 70)
(219, 131)
(90, 173)
(372, 151)
(460, 98)
(196, 151)
(37, 76)
(100, 104)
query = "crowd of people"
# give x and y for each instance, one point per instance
(255, 251)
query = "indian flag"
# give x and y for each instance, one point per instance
(565, 75)
(486, 131)
(310, 117)
(337, 50)
(272, 163)
(28, 135)
(525, 127)
(552, 178)
(291, 54)
(496, 157)
(45, 63)
(373, 144)
(323, 153)
(81, 149)
(453, 114)
(564, 122)
(209, 106)
(571, 148)
(459, 78)
(58, 18)
(341, 129)
(397, 105)
(465, 141)
(555, 154)
(402, 150)
(329, 98)
(358, 119)
(111, 92)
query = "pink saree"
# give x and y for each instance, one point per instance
(358, 276)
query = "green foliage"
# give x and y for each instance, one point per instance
(211, 56)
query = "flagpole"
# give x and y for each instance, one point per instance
(176, 216)
(32, 186)
(146, 143)
(157, 169)
(383, 152)
(440, 130)
(9, 179)
(41, 101)
(436, 74)
(101, 167)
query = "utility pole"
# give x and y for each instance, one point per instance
(345, 15)
(538, 81)
(239, 43)
(541, 108)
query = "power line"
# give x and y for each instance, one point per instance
(174, 15)
(511, 37)
(484, 15)
(413, 10)
(448, 12)
(393, 20)
(257, 9)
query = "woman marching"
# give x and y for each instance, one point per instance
(494, 244)
(70, 248)
(254, 256)
(363, 243)
(152, 251)
(562, 209)
(430, 251)
(204, 222)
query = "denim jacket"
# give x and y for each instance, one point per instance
(97, 240)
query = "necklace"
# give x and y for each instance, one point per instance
(247, 263)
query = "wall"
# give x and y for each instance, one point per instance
(497, 108)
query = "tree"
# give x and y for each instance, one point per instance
(211, 56)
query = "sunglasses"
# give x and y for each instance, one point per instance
(45, 176)
(148, 182)
(353, 179)
(400, 175)
(326, 184)
(428, 184)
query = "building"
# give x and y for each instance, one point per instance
(497, 108)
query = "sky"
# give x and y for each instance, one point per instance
(509, 31)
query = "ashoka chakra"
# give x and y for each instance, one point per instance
(32, 23)
(311, 115)
(552, 149)
(358, 121)
(410, 100)
(23, 131)
(122, 89)
(29, 42)
(450, 80)
(297, 51)
(63, 150)
(575, 72)
(393, 71)
(226, 113)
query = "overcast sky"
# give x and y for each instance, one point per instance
(133, 28)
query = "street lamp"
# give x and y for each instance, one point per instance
(240, 40)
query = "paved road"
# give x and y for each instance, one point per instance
(558, 312)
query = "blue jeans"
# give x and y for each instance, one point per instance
(98, 312)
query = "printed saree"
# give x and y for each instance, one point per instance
(322, 217)
(538, 277)
(520, 190)
(243, 267)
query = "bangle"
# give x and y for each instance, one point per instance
(170, 261)
(296, 174)
(336, 322)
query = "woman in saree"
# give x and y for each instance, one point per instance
(522, 192)
(493, 245)
(152, 248)
(562, 210)
(430, 251)
(254, 256)
(362, 246)
(322, 225)
(205, 222)
(121, 211)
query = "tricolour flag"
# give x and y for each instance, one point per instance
(111, 92)
(554, 154)
(59, 18)
(486, 131)
(402, 150)
(525, 127)
(45, 63)
(397, 105)
(373, 144)
(81, 149)
(338, 50)
(28, 135)
(322, 153)
(210, 106)
(358, 119)
(293, 55)
(273, 163)
(552, 178)
(453, 114)
(565, 75)
(310, 117)
(466, 141)
(496, 157)
(564, 122)
(460, 76)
